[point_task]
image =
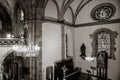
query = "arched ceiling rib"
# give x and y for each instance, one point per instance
(79, 8)
(68, 16)
(57, 6)
(39, 5)
(76, 6)
(66, 4)
(72, 14)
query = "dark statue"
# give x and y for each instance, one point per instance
(83, 51)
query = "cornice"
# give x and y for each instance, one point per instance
(102, 22)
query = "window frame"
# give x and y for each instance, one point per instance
(94, 36)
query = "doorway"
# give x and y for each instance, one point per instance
(13, 67)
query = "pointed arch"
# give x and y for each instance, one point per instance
(5, 55)
(55, 7)
(110, 42)
(18, 6)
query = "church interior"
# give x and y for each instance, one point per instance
(59, 39)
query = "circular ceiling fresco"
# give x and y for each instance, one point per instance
(103, 11)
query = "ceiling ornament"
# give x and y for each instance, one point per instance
(103, 11)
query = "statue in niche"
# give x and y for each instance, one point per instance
(83, 51)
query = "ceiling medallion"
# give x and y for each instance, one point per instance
(103, 11)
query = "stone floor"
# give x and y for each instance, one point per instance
(84, 76)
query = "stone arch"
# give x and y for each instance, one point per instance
(17, 58)
(5, 55)
(12, 66)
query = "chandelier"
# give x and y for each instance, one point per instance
(26, 44)
(25, 48)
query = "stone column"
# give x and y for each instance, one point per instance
(35, 27)
(63, 55)
(38, 41)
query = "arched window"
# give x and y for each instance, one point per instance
(21, 15)
(104, 40)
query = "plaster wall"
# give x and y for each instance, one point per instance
(51, 45)
(69, 43)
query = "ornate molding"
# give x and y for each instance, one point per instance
(10, 42)
(94, 36)
(103, 11)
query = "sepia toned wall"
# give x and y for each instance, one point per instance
(82, 35)
(51, 45)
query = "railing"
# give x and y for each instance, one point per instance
(10, 41)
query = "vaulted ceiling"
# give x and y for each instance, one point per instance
(38, 7)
